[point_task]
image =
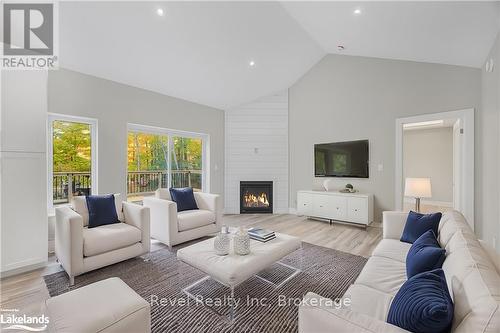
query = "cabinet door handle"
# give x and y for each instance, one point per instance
(321, 206)
(337, 208)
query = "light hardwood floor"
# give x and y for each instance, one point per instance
(27, 291)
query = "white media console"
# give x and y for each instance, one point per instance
(336, 206)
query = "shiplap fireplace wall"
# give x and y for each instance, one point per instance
(257, 149)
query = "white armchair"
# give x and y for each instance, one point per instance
(80, 249)
(171, 227)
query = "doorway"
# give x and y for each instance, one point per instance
(446, 141)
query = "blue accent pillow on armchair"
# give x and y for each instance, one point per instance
(102, 210)
(184, 198)
(424, 255)
(423, 304)
(417, 224)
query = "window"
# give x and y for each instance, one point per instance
(164, 158)
(72, 156)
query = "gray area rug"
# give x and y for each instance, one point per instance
(159, 277)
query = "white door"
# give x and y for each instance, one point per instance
(457, 165)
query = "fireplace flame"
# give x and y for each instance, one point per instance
(252, 200)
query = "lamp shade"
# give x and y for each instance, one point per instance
(418, 187)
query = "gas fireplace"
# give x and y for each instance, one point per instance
(256, 197)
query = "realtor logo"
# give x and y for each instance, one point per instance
(29, 36)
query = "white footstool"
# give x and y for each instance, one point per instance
(105, 306)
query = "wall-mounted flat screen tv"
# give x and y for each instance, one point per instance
(341, 159)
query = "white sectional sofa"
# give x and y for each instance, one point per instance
(471, 272)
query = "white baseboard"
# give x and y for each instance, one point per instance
(39, 263)
(430, 202)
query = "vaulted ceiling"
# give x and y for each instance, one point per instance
(223, 54)
(455, 33)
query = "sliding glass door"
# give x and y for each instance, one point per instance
(72, 154)
(165, 158)
(186, 163)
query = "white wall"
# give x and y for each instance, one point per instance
(487, 176)
(257, 149)
(23, 185)
(428, 153)
(114, 105)
(352, 98)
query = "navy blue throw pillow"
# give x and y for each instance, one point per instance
(102, 210)
(417, 224)
(423, 304)
(184, 198)
(425, 255)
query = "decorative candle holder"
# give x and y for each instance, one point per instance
(241, 242)
(222, 242)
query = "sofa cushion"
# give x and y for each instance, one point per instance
(318, 315)
(417, 224)
(451, 222)
(184, 198)
(79, 204)
(383, 274)
(493, 255)
(369, 301)
(477, 303)
(474, 284)
(464, 253)
(163, 193)
(109, 237)
(425, 255)
(102, 210)
(423, 304)
(392, 249)
(192, 219)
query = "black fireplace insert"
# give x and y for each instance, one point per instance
(256, 197)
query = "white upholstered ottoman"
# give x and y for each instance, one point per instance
(232, 269)
(106, 306)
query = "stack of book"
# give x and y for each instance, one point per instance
(262, 235)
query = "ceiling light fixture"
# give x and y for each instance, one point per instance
(251, 63)
(357, 11)
(424, 124)
(160, 12)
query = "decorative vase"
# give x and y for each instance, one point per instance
(241, 242)
(222, 242)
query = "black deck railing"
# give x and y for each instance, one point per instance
(65, 185)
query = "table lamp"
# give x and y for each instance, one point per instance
(418, 188)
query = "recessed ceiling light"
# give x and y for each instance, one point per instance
(251, 63)
(357, 11)
(160, 12)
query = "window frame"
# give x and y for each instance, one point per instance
(93, 123)
(170, 133)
